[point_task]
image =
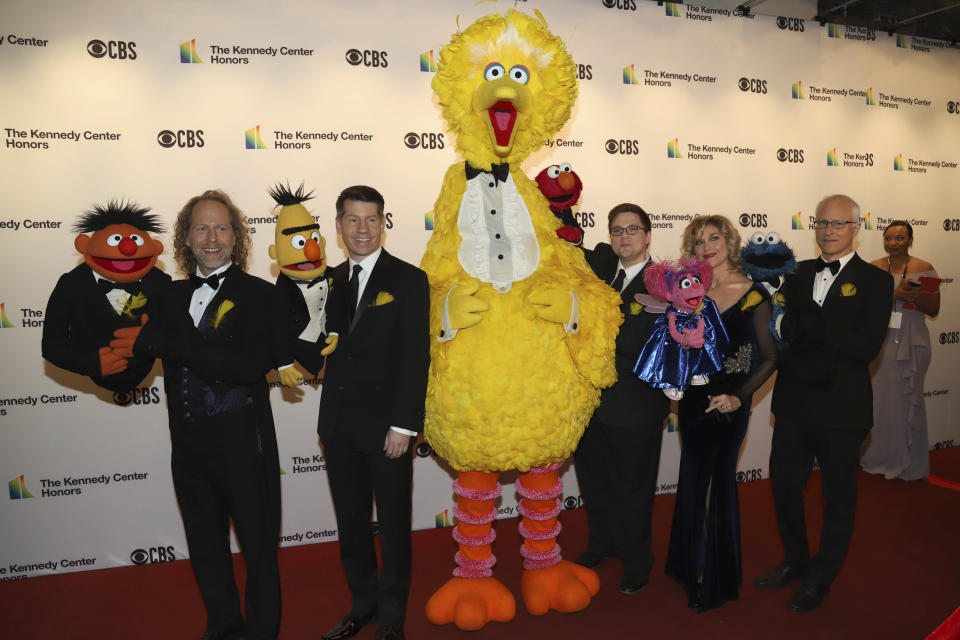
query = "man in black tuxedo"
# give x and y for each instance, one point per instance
(372, 406)
(619, 455)
(837, 310)
(219, 332)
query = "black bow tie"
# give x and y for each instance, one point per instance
(106, 286)
(499, 171)
(320, 278)
(213, 281)
(833, 266)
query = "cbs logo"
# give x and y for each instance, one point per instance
(584, 72)
(626, 5)
(953, 107)
(749, 475)
(790, 155)
(424, 450)
(572, 502)
(753, 85)
(141, 396)
(790, 24)
(950, 337)
(152, 555)
(113, 49)
(423, 140)
(622, 147)
(951, 224)
(367, 58)
(585, 219)
(945, 444)
(753, 220)
(183, 138)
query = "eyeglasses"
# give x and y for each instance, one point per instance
(821, 223)
(632, 230)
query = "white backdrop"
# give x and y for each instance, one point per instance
(89, 472)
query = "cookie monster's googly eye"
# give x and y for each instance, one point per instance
(114, 239)
(696, 280)
(315, 237)
(298, 241)
(566, 167)
(519, 73)
(757, 238)
(136, 239)
(553, 171)
(773, 237)
(686, 283)
(494, 71)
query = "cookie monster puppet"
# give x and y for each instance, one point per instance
(768, 259)
(522, 332)
(112, 288)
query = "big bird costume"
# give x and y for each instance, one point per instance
(522, 332)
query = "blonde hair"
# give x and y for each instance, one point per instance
(181, 230)
(695, 229)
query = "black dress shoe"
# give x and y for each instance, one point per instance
(590, 559)
(807, 598)
(347, 628)
(222, 635)
(780, 576)
(389, 633)
(632, 583)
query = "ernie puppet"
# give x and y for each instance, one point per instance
(522, 333)
(112, 288)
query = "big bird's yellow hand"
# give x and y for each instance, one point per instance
(553, 303)
(291, 376)
(463, 308)
(331, 343)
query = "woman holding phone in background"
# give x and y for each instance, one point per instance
(898, 446)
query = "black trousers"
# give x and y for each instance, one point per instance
(795, 444)
(617, 472)
(356, 480)
(222, 470)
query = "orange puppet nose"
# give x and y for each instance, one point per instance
(127, 247)
(566, 180)
(311, 250)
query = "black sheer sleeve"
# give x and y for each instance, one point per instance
(766, 362)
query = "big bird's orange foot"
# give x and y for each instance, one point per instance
(565, 586)
(470, 603)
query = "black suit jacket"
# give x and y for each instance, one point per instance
(306, 353)
(630, 401)
(377, 376)
(79, 320)
(245, 345)
(823, 379)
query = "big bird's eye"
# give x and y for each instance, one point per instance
(566, 167)
(494, 71)
(519, 73)
(136, 239)
(298, 241)
(315, 237)
(757, 238)
(114, 239)
(686, 283)
(773, 237)
(553, 171)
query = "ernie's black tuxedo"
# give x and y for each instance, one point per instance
(376, 378)
(823, 403)
(225, 461)
(79, 320)
(619, 455)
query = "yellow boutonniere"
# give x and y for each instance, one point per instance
(383, 298)
(222, 310)
(848, 289)
(753, 299)
(133, 302)
(779, 299)
(635, 308)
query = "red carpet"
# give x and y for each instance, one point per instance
(901, 581)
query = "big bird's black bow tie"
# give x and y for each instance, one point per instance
(499, 171)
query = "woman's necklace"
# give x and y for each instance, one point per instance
(891, 270)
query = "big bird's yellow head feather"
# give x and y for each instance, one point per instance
(506, 85)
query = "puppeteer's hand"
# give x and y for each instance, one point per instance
(396, 444)
(331, 343)
(123, 339)
(110, 363)
(291, 376)
(463, 308)
(553, 303)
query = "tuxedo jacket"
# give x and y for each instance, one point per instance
(377, 376)
(237, 348)
(79, 320)
(630, 401)
(306, 353)
(825, 382)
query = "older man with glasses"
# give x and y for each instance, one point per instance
(837, 310)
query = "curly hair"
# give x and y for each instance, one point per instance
(181, 230)
(726, 228)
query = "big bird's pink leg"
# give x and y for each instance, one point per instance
(472, 598)
(549, 582)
